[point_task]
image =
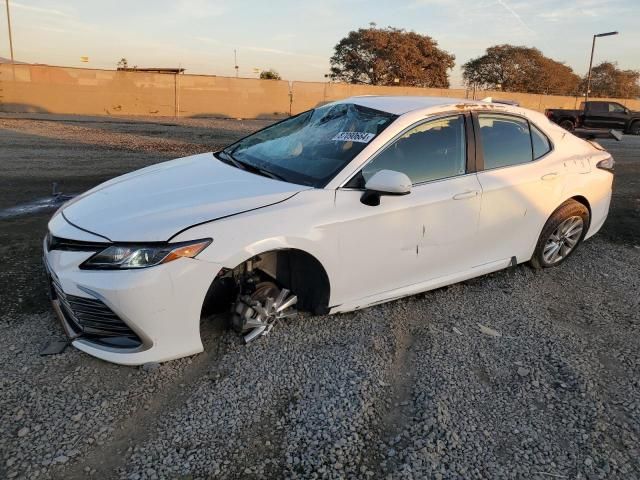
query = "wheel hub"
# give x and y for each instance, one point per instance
(563, 240)
(256, 315)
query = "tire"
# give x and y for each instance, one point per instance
(567, 124)
(635, 128)
(561, 235)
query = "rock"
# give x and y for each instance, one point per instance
(150, 367)
(489, 331)
(523, 372)
(23, 432)
(588, 461)
(61, 459)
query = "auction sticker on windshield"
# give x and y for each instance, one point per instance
(360, 137)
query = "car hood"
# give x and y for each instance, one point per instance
(155, 203)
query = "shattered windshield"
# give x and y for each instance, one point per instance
(310, 148)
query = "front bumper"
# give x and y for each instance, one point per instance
(158, 307)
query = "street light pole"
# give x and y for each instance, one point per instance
(593, 47)
(9, 26)
(235, 61)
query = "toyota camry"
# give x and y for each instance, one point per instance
(345, 206)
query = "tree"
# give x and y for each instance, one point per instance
(390, 56)
(270, 74)
(123, 63)
(520, 69)
(607, 80)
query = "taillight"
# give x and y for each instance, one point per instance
(607, 164)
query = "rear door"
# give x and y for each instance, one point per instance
(521, 183)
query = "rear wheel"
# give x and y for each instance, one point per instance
(567, 124)
(561, 235)
(635, 128)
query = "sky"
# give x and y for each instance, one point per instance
(297, 38)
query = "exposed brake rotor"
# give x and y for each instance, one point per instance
(255, 315)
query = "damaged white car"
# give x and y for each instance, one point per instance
(348, 205)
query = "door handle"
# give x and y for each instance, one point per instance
(467, 194)
(550, 176)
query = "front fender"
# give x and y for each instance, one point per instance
(304, 222)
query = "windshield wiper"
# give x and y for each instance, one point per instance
(228, 158)
(250, 168)
(267, 173)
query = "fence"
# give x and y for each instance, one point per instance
(65, 90)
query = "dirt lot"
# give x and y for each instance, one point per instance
(392, 391)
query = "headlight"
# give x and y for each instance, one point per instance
(141, 256)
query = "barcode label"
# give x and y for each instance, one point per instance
(360, 137)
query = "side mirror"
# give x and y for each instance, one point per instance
(385, 182)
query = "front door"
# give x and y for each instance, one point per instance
(426, 234)
(618, 116)
(609, 115)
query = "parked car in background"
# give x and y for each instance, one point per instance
(597, 114)
(348, 205)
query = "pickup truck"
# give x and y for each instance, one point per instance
(597, 114)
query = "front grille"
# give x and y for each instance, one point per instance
(92, 319)
(58, 243)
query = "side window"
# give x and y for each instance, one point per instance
(598, 107)
(616, 108)
(541, 144)
(431, 151)
(505, 140)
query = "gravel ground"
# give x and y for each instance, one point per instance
(518, 374)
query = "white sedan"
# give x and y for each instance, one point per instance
(348, 205)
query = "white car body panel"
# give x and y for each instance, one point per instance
(413, 238)
(65, 230)
(171, 196)
(146, 299)
(442, 232)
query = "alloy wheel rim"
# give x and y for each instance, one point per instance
(563, 240)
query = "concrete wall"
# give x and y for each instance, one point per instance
(201, 95)
(35, 88)
(45, 89)
(306, 95)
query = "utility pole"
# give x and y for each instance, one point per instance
(9, 26)
(593, 47)
(235, 60)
